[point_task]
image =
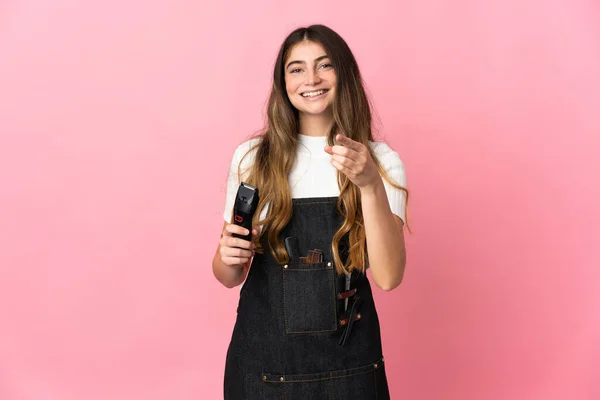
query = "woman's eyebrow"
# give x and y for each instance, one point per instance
(302, 62)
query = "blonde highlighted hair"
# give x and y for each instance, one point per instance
(275, 151)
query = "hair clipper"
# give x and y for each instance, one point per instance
(245, 205)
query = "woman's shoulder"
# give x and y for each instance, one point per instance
(386, 155)
(248, 146)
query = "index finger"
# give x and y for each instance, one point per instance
(233, 228)
(347, 142)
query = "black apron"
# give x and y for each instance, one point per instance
(304, 332)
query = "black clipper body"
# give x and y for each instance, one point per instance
(245, 205)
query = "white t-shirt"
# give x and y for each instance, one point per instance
(313, 175)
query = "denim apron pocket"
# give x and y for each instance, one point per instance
(367, 382)
(309, 303)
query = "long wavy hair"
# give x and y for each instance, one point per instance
(276, 151)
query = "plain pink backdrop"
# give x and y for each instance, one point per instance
(118, 120)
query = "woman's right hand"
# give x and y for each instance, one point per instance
(236, 252)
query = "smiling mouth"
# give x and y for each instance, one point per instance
(314, 93)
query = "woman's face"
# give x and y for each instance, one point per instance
(310, 78)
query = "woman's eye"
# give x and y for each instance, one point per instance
(295, 71)
(326, 65)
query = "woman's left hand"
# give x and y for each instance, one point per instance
(354, 160)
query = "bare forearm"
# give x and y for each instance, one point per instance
(229, 276)
(234, 254)
(385, 238)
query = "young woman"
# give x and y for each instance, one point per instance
(307, 327)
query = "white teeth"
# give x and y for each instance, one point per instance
(313, 94)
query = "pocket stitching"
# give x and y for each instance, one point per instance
(375, 379)
(365, 369)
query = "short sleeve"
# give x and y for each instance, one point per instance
(394, 167)
(233, 179)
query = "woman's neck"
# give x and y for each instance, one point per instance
(316, 125)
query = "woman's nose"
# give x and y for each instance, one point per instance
(312, 78)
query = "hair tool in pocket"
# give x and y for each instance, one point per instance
(314, 256)
(244, 207)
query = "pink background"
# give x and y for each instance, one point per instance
(118, 120)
